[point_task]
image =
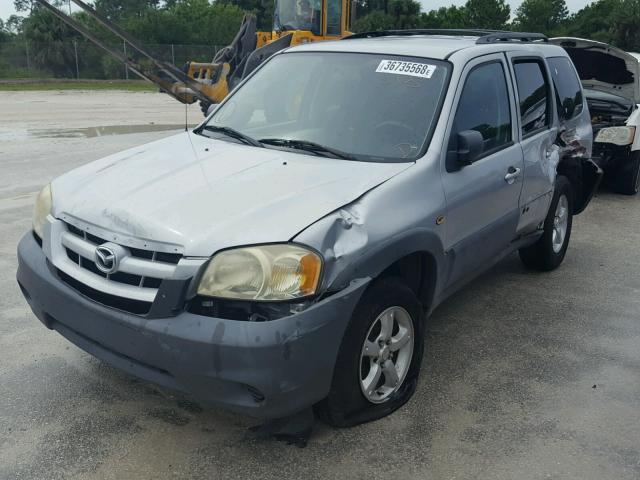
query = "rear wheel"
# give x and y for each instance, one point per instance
(379, 359)
(549, 251)
(627, 177)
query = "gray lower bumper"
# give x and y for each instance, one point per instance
(263, 369)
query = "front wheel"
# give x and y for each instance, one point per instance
(379, 359)
(549, 251)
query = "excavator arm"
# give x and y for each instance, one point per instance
(210, 83)
(181, 87)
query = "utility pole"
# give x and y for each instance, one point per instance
(26, 46)
(126, 70)
(75, 49)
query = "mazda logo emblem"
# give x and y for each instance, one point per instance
(106, 259)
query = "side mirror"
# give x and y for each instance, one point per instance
(470, 147)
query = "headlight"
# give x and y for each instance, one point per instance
(616, 135)
(267, 272)
(41, 209)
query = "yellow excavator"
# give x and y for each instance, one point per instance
(294, 22)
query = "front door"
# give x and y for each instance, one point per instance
(483, 198)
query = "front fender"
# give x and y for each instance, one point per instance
(352, 250)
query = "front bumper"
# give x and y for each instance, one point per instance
(263, 369)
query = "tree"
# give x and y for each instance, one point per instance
(4, 33)
(482, 14)
(545, 16)
(400, 14)
(490, 14)
(51, 40)
(626, 25)
(444, 17)
(14, 24)
(610, 21)
(117, 10)
(404, 12)
(376, 20)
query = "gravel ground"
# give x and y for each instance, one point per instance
(525, 375)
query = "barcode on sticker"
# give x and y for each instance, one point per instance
(414, 69)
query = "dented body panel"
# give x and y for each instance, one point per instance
(192, 196)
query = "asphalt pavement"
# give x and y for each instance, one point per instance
(525, 375)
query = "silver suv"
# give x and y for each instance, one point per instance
(285, 253)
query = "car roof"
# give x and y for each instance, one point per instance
(440, 47)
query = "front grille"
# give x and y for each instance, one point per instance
(131, 288)
(136, 307)
(120, 277)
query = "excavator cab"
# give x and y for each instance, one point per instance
(294, 22)
(314, 20)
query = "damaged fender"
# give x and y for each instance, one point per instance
(573, 161)
(355, 245)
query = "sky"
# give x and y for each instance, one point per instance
(6, 6)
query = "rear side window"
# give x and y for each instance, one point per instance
(533, 92)
(568, 91)
(484, 107)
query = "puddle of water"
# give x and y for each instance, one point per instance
(90, 132)
(87, 132)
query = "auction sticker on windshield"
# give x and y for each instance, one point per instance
(414, 69)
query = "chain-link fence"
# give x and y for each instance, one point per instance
(84, 60)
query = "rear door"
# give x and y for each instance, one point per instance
(537, 131)
(482, 198)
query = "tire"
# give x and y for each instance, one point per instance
(346, 405)
(547, 253)
(627, 176)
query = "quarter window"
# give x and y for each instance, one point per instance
(568, 91)
(532, 91)
(484, 107)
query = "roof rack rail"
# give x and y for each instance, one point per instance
(484, 36)
(524, 37)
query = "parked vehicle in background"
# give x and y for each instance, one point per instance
(283, 254)
(611, 81)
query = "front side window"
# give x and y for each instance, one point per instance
(568, 91)
(533, 93)
(484, 107)
(371, 107)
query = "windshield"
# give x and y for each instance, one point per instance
(369, 107)
(298, 15)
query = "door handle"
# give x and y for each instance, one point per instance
(511, 175)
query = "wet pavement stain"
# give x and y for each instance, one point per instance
(91, 132)
(87, 132)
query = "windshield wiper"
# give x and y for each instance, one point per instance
(307, 146)
(233, 133)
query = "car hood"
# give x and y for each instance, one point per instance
(202, 195)
(604, 68)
